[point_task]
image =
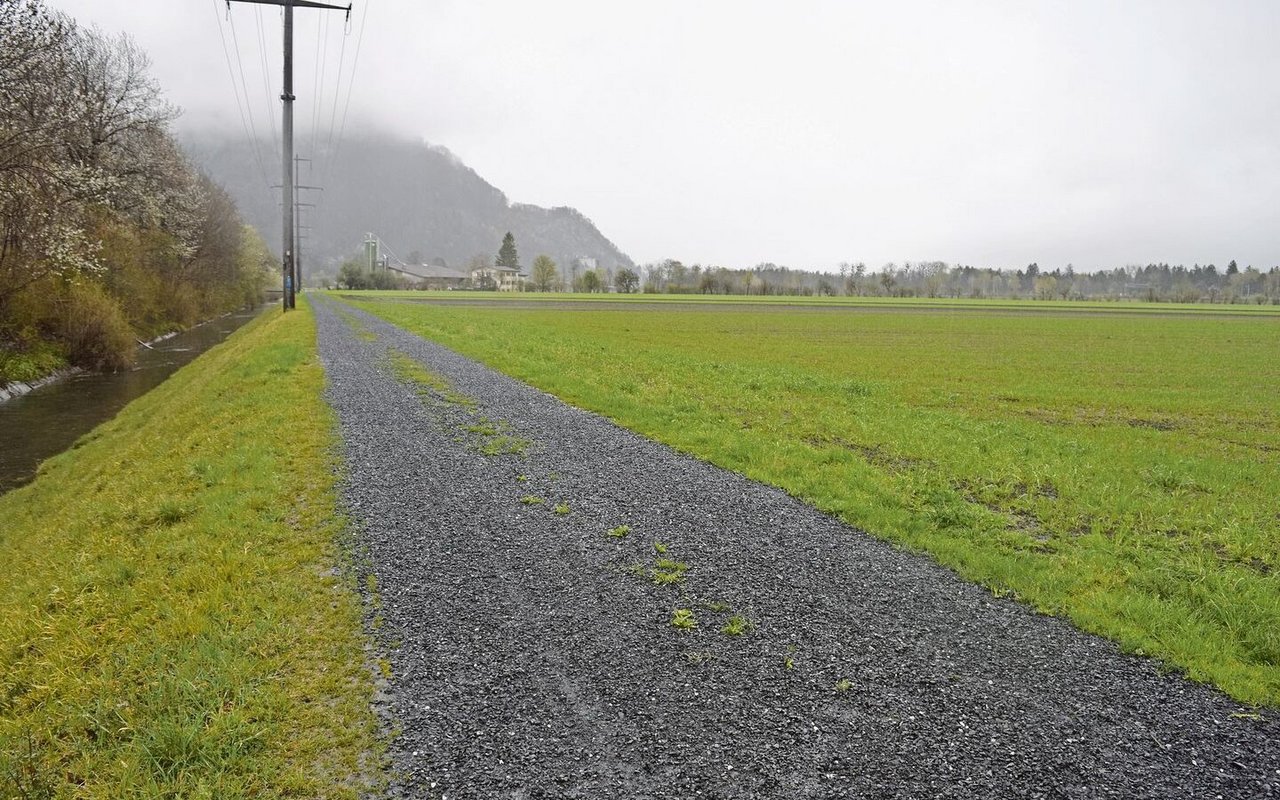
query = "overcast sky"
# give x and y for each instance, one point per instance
(1097, 133)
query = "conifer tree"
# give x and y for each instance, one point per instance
(507, 256)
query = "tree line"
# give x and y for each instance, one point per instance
(108, 233)
(937, 279)
(1152, 282)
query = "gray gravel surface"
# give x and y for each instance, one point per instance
(532, 654)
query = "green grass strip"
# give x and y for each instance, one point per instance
(170, 620)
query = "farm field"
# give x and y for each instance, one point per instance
(513, 299)
(1119, 469)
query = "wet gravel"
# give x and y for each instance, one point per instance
(532, 656)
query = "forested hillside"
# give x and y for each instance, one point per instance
(108, 234)
(419, 199)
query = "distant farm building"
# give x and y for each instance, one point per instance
(431, 276)
(504, 279)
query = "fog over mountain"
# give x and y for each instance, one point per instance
(1091, 133)
(420, 200)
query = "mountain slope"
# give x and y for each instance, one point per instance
(419, 199)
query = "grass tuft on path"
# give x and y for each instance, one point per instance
(171, 623)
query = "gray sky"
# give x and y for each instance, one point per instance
(1092, 132)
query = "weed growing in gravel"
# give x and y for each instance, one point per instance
(505, 445)
(427, 384)
(683, 619)
(843, 685)
(736, 626)
(497, 439)
(374, 600)
(667, 571)
(532, 500)
(619, 532)
(361, 332)
(561, 509)
(522, 478)
(659, 547)
(718, 606)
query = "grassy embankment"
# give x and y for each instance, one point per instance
(171, 624)
(1120, 470)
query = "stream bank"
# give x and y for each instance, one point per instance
(41, 419)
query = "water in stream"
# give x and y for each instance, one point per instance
(47, 421)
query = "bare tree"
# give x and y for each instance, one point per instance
(544, 274)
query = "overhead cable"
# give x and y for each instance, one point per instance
(245, 88)
(266, 82)
(351, 83)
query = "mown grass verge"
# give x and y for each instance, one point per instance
(171, 620)
(1120, 471)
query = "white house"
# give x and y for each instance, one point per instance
(507, 279)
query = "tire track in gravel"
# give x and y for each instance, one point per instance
(533, 657)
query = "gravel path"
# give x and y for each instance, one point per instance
(533, 656)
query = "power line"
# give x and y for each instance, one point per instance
(337, 89)
(321, 67)
(266, 79)
(244, 84)
(250, 132)
(351, 84)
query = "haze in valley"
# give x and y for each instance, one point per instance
(988, 133)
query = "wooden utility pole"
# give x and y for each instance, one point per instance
(289, 274)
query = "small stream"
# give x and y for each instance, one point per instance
(47, 421)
